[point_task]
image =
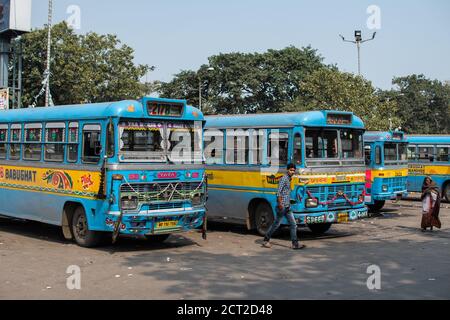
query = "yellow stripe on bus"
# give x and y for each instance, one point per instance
(421, 170)
(389, 173)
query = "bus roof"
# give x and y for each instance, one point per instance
(124, 109)
(267, 120)
(429, 139)
(373, 136)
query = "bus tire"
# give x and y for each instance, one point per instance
(264, 218)
(80, 230)
(447, 192)
(320, 228)
(377, 206)
(157, 238)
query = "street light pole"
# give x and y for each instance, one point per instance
(49, 43)
(358, 41)
(210, 69)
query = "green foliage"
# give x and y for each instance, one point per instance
(245, 82)
(330, 89)
(424, 104)
(84, 68)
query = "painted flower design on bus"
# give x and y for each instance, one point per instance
(58, 179)
(86, 181)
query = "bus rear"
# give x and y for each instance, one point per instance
(387, 167)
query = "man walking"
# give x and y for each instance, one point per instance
(284, 210)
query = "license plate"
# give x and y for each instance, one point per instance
(166, 224)
(342, 217)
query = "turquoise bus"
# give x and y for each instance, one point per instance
(428, 155)
(387, 167)
(128, 167)
(246, 155)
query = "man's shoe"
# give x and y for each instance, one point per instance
(267, 244)
(296, 246)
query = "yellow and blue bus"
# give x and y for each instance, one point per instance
(246, 155)
(128, 167)
(387, 167)
(428, 155)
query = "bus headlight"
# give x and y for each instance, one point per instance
(312, 203)
(129, 203)
(197, 199)
(385, 188)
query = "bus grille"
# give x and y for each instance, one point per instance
(162, 192)
(395, 184)
(328, 193)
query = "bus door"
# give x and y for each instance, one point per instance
(279, 142)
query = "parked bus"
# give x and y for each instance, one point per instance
(105, 168)
(429, 156)
(246, 155)
(387, 167)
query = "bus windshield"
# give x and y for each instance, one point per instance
(395, 152)
(159, 142)
(323, 144)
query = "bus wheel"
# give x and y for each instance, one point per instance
(80, 230)
(377, 206)
(263, 218)
(447, 192)
(158, 238)
(319, 229)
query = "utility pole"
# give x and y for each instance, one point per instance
(49, 43)
(358, 41)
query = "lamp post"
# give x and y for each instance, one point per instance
(210, 69)
(358, 41)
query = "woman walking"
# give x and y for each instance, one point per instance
(431, 204)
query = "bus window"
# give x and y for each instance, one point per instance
(378, 155)
(352, 143)
(72, 150)
(214, 146)
(3, 140)
(402, 152)
(91, 143)
(238, 146)
(257, 139)
(426, 154)
(367, 154)
(142, 141)
(297, 149)
(278, 148)
(16, 139)
(442, 154)
(321, 144)
(33, 137)
(54, 139)
(185, 141)
(390, 152)
(412, 155)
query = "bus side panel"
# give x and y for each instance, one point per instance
(232, 203)
(32, 206)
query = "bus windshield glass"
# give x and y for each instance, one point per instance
(159, 142)
(395, 152)
(323, 144)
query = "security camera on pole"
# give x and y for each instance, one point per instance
(358, 41)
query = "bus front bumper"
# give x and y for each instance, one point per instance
(338, 216)
(146, 223)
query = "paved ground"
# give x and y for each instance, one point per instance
(231, 264)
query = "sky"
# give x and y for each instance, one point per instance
(412, 36)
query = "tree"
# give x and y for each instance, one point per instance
(424, 104)
(330, 89)
(246, 82)
(84, 68)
